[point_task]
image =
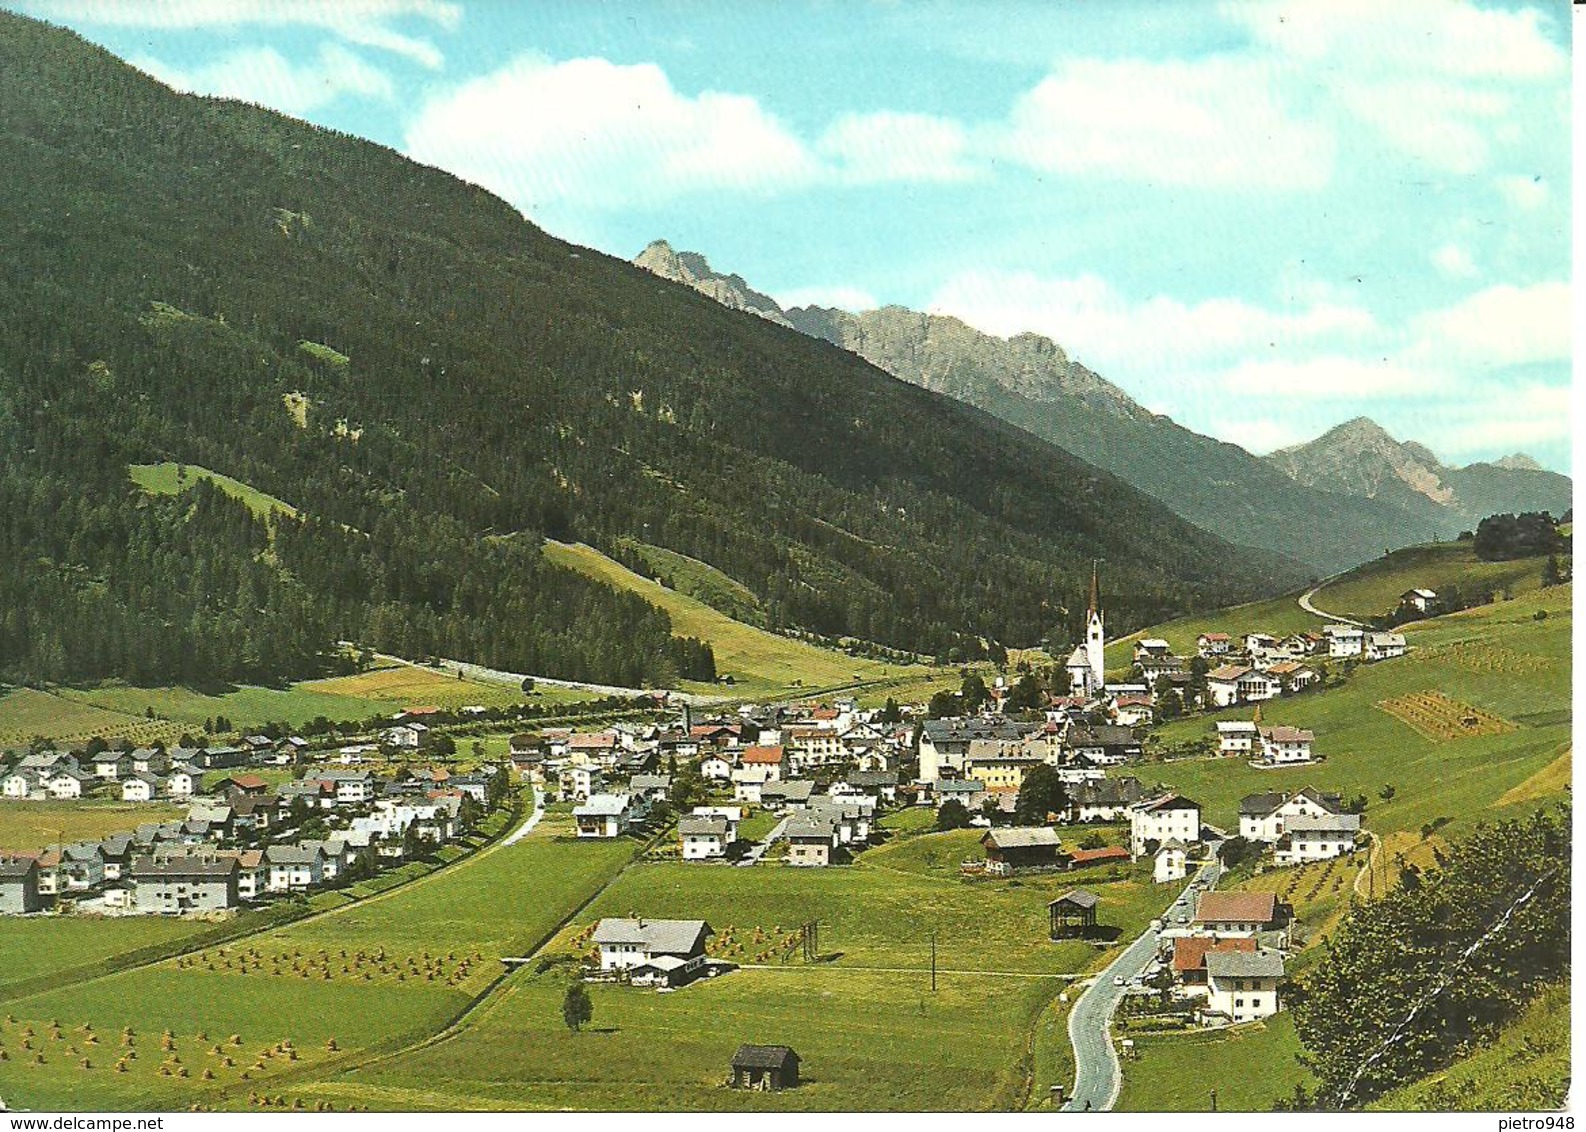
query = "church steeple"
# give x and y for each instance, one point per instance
(1095, 589)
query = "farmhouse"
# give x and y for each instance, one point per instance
(1420, 600)
(811, 839)
(704, 838)
(765, 1067)
(1163, 819)
(1286, 745)
(1239, 913)
(1236, 737)
(1243, 986)
(1103, 745)
(794, 794)
(1222, 684)
(604, 815)
(676, 947)
(1025, 847)
(1316, 838)
(1384, 646)
(1344, 641)
(1292, 676)
(1000, 764)
(1262, 817)
(1172, 861)
(1189, 959)
(1103, 799)
(1211, 645)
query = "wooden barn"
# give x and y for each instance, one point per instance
(765, 1067)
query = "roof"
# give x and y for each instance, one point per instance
(1260, 805)
(1285, 734)
(293, 854)
(1190, 951)
(1228, 673)
(960, 786)
(603, 806)
(1168, 802)
(673, 937)
(1323, 823)
(17, 866)
(183, 864)
(1241, 907)
(762, 755)
(793, 790)
(1213, 637)
(809, 826)
(1098, 856)
(1236, 727)
(764, 1057)
(1022, 837)
(1427, 594)
(650, 782)
(1241, 965)
(1079, 898)
(1151, 643)
(693, 826)
(1387, 638)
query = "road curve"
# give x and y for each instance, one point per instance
(1305, 604)
(534, 819)
(1098, 1076)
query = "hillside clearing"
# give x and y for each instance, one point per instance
(170, 478)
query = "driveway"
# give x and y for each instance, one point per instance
(534, 819)
(758, 850)
(1305, 604)
(1098, 1076)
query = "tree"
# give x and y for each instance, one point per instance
(1551, 574)
(527, 685)
(942, 704)
(1170, 705)
(1026, 694)
(973, 692)
(577, 1010)
(952, 815)
(1387, 792)
(1041, 793)
(891, 713)
(1236, 851)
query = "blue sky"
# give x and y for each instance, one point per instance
(1260, 218)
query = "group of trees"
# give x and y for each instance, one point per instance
(1501, 537)
(1443, 960)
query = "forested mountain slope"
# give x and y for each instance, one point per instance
(413, 366)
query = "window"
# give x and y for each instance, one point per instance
(1238, 1002)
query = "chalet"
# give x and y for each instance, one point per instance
(1256, 685)
(578, 781)
(668, 951)
(1260, 646)
(970, 791)
(772, 760)
(1237, 736)
(19, 886)
(258, 746)
(1384, 646)
(881, 783)
(141, 786)
(220, 758)
(1151, 647)
(1316, 838)
(604, 815)
(811, 839)
(1239, 913)
(112, 765)
(764, 1067)
(294, 867)
(351, 786)
(1189, 959)
(1025, 847)
(65, 783)
(1211, 645)
(1344, 641)
(1419, 600)
(599, 747)
(850, 817)
(1171, 862)
(1292, 676)
(289, 751)
(21, 784)
(1222, 684)
(1162, 819)
(185, 781)
(1131, 710)
(150, 760)
(253, 872)
(705, 838)
(1243, 986)
(1284, 746)
(526, 745)
(116, 851)
(794, 794)
(248, 785)
(171, 885)
(714, 768)
(1264, 817)
(1103, 799)
(749, 781)
(409, 736)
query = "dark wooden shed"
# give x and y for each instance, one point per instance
(765, 1067)
(1073, 914)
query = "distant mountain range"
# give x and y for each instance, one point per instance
(1327, 518)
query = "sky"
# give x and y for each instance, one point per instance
(1261, 218)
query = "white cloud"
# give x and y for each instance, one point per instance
(839, 296)
(590, 133)
(264, 76)
(1262, 435)
(1506, 419)
(363, 22)
(1454, 262)
(1497, 327)
(1328, 378)
(1524, 193)
(1216, 122)
(892, 146)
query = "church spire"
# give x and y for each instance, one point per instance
(1095, 588)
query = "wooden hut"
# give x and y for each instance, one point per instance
(765, 1067)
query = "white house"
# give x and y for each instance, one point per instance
(409, 736)
(705, 838)
(1286, 745)
(628, 943)
(1163, 819)
(715, 769)
(1316, 838)
(185, 781)
(64, 784)
(1237, 737)
(604, 815)
(1243, 986)
(1213, 644)
(1260, 646)
(748, 781)
(1384, 646)
(293, 868)
(1264, 817)
(1344, 641)
(1257, 685)
(140, 786)
(19, 784)
(1222, 684)
(1172, 861)
(1420, 600)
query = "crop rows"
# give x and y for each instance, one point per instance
(1488, 658)
(1438, 718)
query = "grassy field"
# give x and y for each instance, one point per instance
(413, 959)
(757, 660)
(703, 582)
(173, 479)
(1519, 1071)
(1374, 588)
(1250, 1066)
(30, 825)
(1497, 658)
(42, 945)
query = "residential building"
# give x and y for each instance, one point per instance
(1103, 799)
(1286, 745)
(1264, 817)
(1384, 646)
(1344, 641)
(183, 882)
(810, 839)
(1420, 600)
(1172, 861)
(294, 867)
(1169, 817)
(19, 886)
(624, 944)
(1210, 645)
(1237, 737)
(1239, 913)
(604, 815)
(1243, 986)
(1189, 960)
(705, 838)
(1316, 838)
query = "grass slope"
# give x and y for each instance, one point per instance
(1374, 587)
(1249, 1066)
(172, 479)
(759, 661)
(701, 580)
(27, 825)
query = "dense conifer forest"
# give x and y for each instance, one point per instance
(436, 385)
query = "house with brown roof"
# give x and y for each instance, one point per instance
(1189, 959)
(1239, 913)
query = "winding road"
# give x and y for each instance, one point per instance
(1305, 604)
(1098, 1077)
(527, 827)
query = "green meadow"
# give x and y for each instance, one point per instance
(1374, 588)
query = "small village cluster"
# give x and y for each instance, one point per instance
(242, 842)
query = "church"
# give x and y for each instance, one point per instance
(1086, 672)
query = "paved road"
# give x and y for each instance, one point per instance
(1305, 604)
(534, 819)
(501, 676)
(754, 854)
(1098, 1076)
